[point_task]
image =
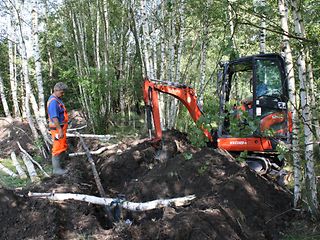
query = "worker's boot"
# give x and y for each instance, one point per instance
(56, 168)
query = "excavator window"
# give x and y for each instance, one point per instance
(268, 78)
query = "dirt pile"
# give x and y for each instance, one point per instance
(231, 201)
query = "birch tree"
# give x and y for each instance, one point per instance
(203, 59)
(4, 99)
(260, 8)
(146, 41)
(12, 67)
(37, 59)
(25, 71)
(305, 98)
(283, 11)
(230, 18)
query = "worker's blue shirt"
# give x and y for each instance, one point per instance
(55, 109)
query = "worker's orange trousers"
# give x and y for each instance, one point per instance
(59, 145)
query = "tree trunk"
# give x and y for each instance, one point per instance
(17, 165)
(146, 41)
(106, 53)
(13, 79)
(232, 31)
(25, 71)
(203, 62)
(37, 59)
(283, 11)
(4, 99)
(142, 206)
(305, 89)
(260, 9)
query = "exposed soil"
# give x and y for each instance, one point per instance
(232, 202)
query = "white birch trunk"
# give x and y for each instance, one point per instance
(177, 77)
(231, 26)
(82, 41)
(146, 40)
(172, 102)
(4, 99)
(121, 71)
(106, 52)
(17, 165)
(203, 63)
(30, 168)
(25, 71)
(154, 42)
(97, 47)
(283, 10)
(142, 206)
(7, 171)
(12, 73)
(41, 115)
(262, 36)
(260, 8)
(37, 59)
(311, 185)
(313, 94)
(162, 70)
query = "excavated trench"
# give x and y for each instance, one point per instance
(232, 202)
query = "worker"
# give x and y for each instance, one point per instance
(58, 124)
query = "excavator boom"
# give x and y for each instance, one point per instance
(183, 93)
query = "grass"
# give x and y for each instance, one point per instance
(303, 229)
(11, 182)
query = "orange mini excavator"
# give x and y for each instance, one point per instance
(256, 85)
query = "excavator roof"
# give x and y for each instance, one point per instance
(245, 63)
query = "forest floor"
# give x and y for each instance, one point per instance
(232, 202)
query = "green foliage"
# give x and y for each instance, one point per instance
(197, 137)
(242, 124)
(283, 150)
(187, 156)
(204, 168)
(242, 157)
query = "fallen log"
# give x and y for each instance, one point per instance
(144, 206)
(7, 171)
(17, 165)
(96, 152)
(75, 129)
(101, 137)
(30, 168)
(32, 160)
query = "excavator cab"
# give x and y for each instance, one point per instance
(255, 87)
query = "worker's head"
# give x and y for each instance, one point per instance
(59, 89)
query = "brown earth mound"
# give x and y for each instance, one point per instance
(232, 202)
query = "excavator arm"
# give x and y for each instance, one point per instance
(183, 93)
